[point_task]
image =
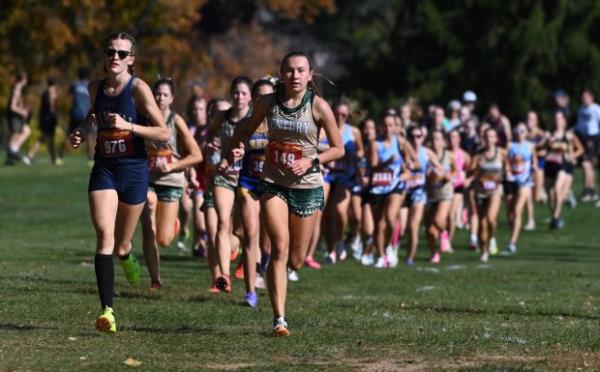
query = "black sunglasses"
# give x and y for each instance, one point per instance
(110, 52)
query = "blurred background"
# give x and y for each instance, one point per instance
(378, 52)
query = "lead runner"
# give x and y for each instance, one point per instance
(292, 183)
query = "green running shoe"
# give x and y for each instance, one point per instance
(131, 267)
(106, 322)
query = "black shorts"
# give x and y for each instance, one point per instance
(459, 189)
(48, 124)
(16, 122)
(590, 145)
(551, 170)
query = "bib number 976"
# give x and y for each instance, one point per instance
(115, 147)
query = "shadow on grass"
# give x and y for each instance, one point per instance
(186, 329)
(443, 309)
(23, 327)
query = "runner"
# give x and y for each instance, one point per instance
(342, 175)
(523, 163)
(588, 131)
(486, 174)
(17, 116)
(563, 149)
(537, 136)
(368, 131)
(48, 122)
(118, 187)
(80, 106)
(458, 210)
(225, 181)
(440, 192)
(167, 162)
(292, 181)
(255, 237)
(416, 196)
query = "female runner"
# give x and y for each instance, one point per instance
(122, 105)
(248, 192)
(522, 159)
(462, 162)
(166, 162)
(563, 149)
(226, 180)
(486, 171)
(292, 180)
(440, 192)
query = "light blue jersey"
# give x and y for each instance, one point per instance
(385, 179)
(519, 157)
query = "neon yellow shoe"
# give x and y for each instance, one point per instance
(106, 322)
(131, 267)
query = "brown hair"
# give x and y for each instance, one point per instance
(292, 54)
(123, 36)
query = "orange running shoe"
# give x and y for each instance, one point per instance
(213, 288)
(239, 271)
(280, 328)
(234, 254)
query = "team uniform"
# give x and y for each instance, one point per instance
(460, 175)
(48, 119)
(293, 134)
(120, 159)
(415, 185)
(519, 158)
(253, 162)
(168, 187)
(489, 180)
(385, 179)
(343, 171)
(229, 178)
(556, 159)
(438, 188)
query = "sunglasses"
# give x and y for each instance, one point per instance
(110, 52)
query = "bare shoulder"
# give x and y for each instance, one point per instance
(140, 85)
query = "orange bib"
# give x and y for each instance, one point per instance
(157, 157)
(283, 154)
(114, 143)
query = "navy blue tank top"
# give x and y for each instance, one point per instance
(113, 145)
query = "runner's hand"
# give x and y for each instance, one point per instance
(299, 167)
(117, 122)
(76, 139)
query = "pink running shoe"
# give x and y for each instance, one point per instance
(445, 246)
(435, 259)
(310, 262)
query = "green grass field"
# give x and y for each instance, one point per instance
(535, 311)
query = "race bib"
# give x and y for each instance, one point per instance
(382, 177)
(554, 157)
(517, 166)
(158, 157)
(283, 154)
(488, 183)
(257, 161)
(415, 180)
(114, 143)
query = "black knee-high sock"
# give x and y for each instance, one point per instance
(105, 278)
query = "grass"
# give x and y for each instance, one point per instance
(535, 311)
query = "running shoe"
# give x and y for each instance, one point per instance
(409, 262)
(493, 247)
(586, 196)
(26, 160)
(223, 283)
(199, 252)
(571, 200)
(445, 246)
(239, 271)
(356, 247)
(391, 254)
(234, 254)
(155, 285)
(58, 161)
(259, 282)
(435, 259)
(341, 251)
(367, 259)
(484, 257)
(556, 223)
(181, 244)
(264, 262)
(382, 263)
(512, 248)
(292, 275)
(330, 258)
(530, 226)
(474, 243)
(131, 267)
(251, 299)
(106, 322)
(280, 328)
(311, 263)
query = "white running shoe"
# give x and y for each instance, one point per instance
(484, 257)
(493, 247)
(391, 253)
(341, 251)
(530, 226)
(259, 282)
(367, 259)
(382, 263)
(330, 258)
(356, 247)
(292, 275)
(26, 160)
(512, 248)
